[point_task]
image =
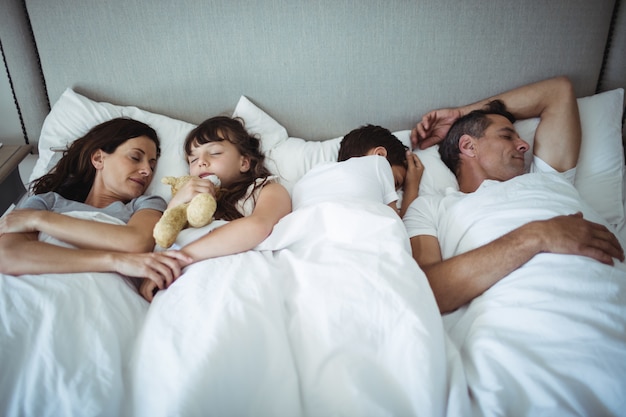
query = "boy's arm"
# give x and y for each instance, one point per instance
(410, 188)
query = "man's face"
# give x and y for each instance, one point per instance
(500, 151)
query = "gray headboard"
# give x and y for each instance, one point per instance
(319, 67)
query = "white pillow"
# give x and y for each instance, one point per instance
(260, 124)
(288, 157)
(73, 115)
(600, 170)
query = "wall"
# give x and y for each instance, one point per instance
(10, 128)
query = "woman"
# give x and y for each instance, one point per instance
(106, 171)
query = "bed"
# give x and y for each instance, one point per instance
(330, 315)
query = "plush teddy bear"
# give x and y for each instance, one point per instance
(196, 213)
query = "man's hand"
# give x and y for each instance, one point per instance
(576, 236)
(433, 127)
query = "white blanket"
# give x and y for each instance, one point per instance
(329, 316)
(550, 338)
(65, 340)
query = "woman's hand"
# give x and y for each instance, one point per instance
(21, 221)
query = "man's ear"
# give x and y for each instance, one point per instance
(467, 146)
(379, 150)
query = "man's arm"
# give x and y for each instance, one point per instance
(557, 139)
(460, 279)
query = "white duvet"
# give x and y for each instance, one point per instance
(550, 338)
(329, 316)
(65, 341)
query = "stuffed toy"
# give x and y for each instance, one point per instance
(196, 213)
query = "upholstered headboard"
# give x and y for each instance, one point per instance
(319, 67)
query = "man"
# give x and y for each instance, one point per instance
(485, 152)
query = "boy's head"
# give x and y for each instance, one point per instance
(361, 141)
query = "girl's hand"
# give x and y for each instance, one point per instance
(190, 189)
(21, 221)
(163, 269)
(158, 268)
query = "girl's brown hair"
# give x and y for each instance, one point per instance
(220, 128)
(72, 177)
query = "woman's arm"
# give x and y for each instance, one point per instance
(136, 236)
(247, 232)
(23, 253)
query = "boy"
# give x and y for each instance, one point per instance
(361, 174)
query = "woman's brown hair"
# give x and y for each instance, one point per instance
(72, 177)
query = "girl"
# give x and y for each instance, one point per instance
(249, 196)
(107, 170)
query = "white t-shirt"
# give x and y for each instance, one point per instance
(368, 178)
(462, 222)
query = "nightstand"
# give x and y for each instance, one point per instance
(11, 185)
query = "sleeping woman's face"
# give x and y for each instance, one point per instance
(127, 172)
(220, 158)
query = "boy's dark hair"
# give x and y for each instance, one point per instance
(365, 138)
(474, 124)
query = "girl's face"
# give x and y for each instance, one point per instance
(218, 158)
(127, 172)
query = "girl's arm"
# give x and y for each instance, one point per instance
(135, 236)
(247, 232)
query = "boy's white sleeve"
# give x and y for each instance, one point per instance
(421, 216)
